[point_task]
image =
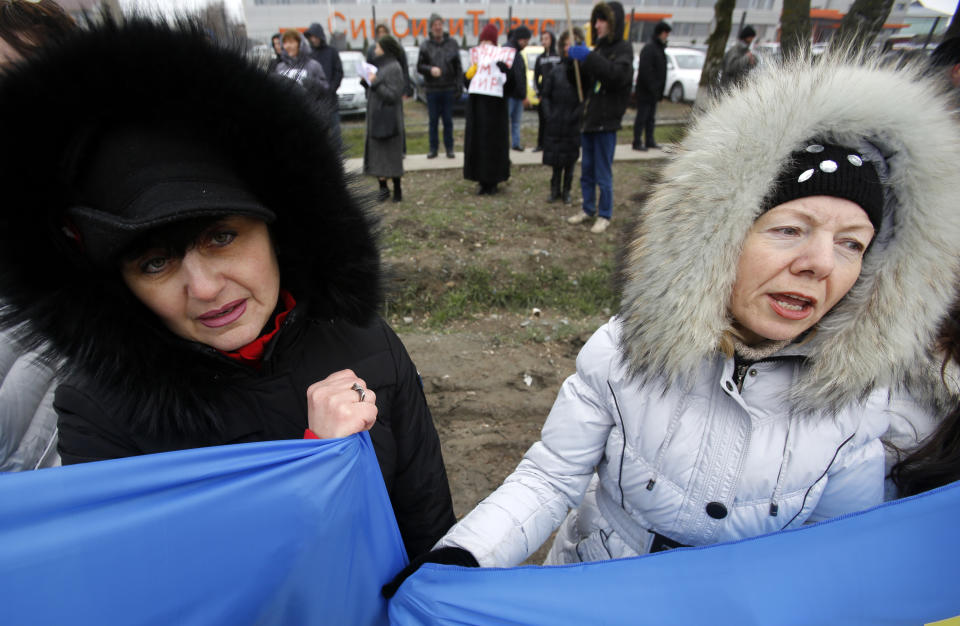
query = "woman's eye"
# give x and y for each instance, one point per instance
(853, 245)
(787, 230)
(222, 238)
(154, 265)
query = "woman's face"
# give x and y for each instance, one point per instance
(292, 47)
(377, 51)
(798, 260)
(221, 293)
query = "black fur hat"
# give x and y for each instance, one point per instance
(145, 74)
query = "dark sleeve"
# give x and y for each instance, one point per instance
(407, 85)
(614, 73)
(337, 71)
(538, 75)
(423, 61)
(388, 84)
(421, 494)
(316, 81)
(86, 431)
(457, 66)
(647, 70)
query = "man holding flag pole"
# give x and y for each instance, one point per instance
(605, 73)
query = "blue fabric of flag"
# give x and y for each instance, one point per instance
(894, 564)
(286, 532)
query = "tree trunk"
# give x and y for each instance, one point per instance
(954, 29)
(795, 28)
(716, 46)
(861, 25)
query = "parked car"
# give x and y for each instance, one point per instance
(683, 73)
(351, 95)
(530, 56)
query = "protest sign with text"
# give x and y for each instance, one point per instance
(488, 79)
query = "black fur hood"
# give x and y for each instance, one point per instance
(613, 13)
(142, 72)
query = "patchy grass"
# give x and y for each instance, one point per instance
(454, 255)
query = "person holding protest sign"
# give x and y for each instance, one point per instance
(200, 263)
(486, 152)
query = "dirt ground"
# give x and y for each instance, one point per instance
(492, 376)
(488, 399)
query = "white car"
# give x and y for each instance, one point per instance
(351, 96)
(683, 73)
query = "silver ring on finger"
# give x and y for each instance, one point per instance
(360, 391)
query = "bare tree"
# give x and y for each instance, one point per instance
(716, 45)
(862, 23)
(220, 27)
(795, 28)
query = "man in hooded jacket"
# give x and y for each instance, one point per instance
(329, 58)
(606, 73)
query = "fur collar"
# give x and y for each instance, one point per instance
(680, 264)
(147, 72)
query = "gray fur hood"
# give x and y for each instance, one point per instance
(680, 262)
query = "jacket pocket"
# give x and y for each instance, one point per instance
(593, 547)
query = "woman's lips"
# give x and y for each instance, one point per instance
(791, 306)
(224, 315)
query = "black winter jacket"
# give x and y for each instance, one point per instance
(542, 67)
(132, 386)
(444, 54)
(606, 73)
(651, 72)
(562, 112)
(517, 88)
(271, 404)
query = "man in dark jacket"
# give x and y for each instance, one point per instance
(606, 74)
(329, 58)
(651, 81)
(518, 40)
(439, 63)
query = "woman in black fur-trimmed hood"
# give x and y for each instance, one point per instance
(178, 230)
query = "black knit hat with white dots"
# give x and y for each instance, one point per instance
(822, 169)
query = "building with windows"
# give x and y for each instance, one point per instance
(351, 22)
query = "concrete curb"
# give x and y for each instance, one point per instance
(419, 162)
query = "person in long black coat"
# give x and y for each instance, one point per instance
(545, 62)
(651, 81)
(562, 113)
(486, 151)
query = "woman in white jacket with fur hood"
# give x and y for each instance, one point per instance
(790, 269)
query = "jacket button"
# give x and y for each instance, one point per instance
(716, 510)
(753, 372)
(729, 386)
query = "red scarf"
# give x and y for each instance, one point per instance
(252, 353)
